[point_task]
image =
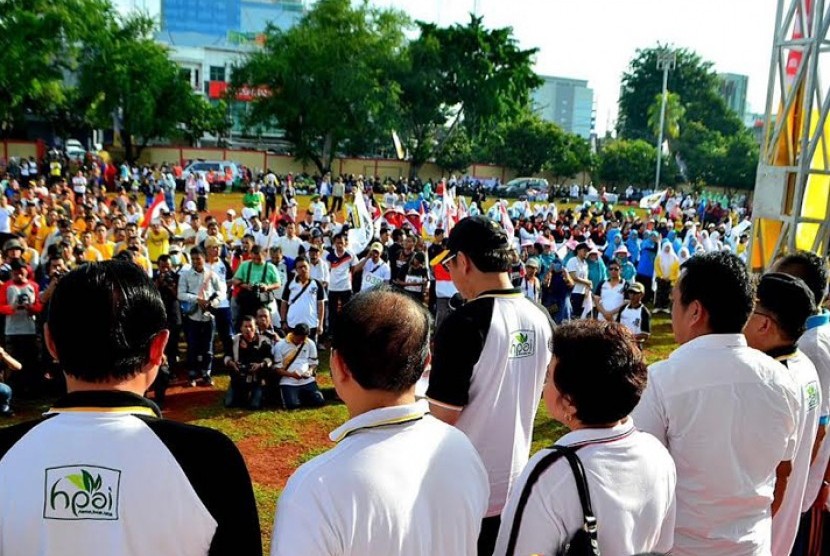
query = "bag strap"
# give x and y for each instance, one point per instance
(589, 520)
(302, 291)
(295, 356)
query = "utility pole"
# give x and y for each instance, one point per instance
(666, 61)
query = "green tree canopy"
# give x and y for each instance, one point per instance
(623, 162)
(457, 153)
(575, 157)
(529, 145)
(329, 75)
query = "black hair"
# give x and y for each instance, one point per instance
(196, 250)
(248, 318)
(256, 250)
(383, 337)
(494, 260)
(300, 259)
(807, 266)
(164, 258)
(599, 368)
(121, 307)
(720, 282)
(789, 300)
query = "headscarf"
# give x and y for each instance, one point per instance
(633, 244)
(667, 258)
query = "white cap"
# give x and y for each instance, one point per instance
(231, 212)
(248, 212)
(190, 206)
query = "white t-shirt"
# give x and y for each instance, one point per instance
(786, 520)
(341, 271)
(302, 303)
(375, 274)
(728, 416)
(320, 271)
(579, 269)
(631, 480)
(611, 297)
(290, 246)
(304, 362)
(398, 482)
(79, 185)
(5, 219)
(815, 343)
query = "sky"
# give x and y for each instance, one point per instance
(596, 39)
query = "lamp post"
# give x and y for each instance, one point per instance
(666, 60)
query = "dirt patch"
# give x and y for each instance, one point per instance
(183, 403)
(271, 465)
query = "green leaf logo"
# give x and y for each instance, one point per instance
(76, 480)
(521, 338)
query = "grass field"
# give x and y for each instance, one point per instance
(276, 442)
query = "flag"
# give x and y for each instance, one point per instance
(449, 216)
(360, 236)
(652, 201)
(506, 223)
(414, 218)
(394, 216)
(154, 211)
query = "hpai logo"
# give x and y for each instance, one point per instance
(522, 343)
(81, 492)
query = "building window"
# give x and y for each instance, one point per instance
(217, 73)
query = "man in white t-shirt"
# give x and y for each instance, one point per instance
(319, 268)
(289, 243)
(398, 482)
(726, 412)
(577, 267)
(295, 358)
(341, 265)
(490, 359)
(303, 301)
(783, 305)
(815, 343)
(376, 271)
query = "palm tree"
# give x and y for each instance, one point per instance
(674, 113)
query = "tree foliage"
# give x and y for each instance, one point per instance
(456, 154)
(575, 157)
(128, 76)
(329, 75)
(624, 162)
(528, 145)
(703, 132)
(41, 41)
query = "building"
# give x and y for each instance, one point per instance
(208, 38)
(568, 103)
(733, 90)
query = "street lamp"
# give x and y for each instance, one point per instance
(666, 60)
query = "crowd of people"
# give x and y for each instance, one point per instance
(446, 329)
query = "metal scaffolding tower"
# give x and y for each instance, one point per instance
(794, 155)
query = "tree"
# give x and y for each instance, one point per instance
(574, 158)
(129, 77)
(529, 145)
(201, 116)
(693, 80)
(626, 162)
(476, 78)
(329, 76)
(674, 114)
(41, 41)
(457, 153)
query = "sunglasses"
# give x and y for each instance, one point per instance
(446, 262)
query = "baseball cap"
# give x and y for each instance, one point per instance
(534, 262)
(231, 212)
(636, 287)
(190, 206)
(212, 242)
(376, 246)
(12, 244)
(474, 235)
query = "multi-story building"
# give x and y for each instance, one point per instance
(568, 103)
(733, 90)
(207, 38)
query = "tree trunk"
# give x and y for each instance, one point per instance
(127, 141)
(327, 154)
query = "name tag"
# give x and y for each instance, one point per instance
(373, 280)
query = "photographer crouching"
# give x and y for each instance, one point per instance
(248, 364)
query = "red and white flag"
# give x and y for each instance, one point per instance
(154, 211)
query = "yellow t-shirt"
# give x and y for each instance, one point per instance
(79, 226)
(20, 223)
(141, 261)
(158, 243)
(43, 232)
(92, 255)
(106, 249)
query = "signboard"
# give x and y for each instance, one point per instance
(246, 93)
(206, 17)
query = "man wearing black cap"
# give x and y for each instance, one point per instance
(779, 319)
(490, 360)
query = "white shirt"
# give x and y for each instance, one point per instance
(815, 343)
(302, 308)
(399, 482)
(319, 271)
(290, 246)
(375, 274)
(579, 269)
(728, 416)
(79, 185)
(611, 297)
(221, 272)
(5, 219)
(786, 520)
(340, 271)
(305, 362)
(631, 481)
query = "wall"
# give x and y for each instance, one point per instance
(18, 149)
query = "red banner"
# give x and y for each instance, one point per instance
(246, 93)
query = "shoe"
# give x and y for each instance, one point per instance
(192, 384)
(207, 381)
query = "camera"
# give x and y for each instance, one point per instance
(257, 289)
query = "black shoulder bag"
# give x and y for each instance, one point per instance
(584, 541)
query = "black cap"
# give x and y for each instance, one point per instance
(787, 299)
(472, 235)
(17, 264)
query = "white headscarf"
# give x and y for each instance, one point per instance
(667, 258)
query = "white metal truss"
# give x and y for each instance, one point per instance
(787, 158)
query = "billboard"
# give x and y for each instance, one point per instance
(206, 17)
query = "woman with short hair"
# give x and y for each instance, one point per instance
(594, 381)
